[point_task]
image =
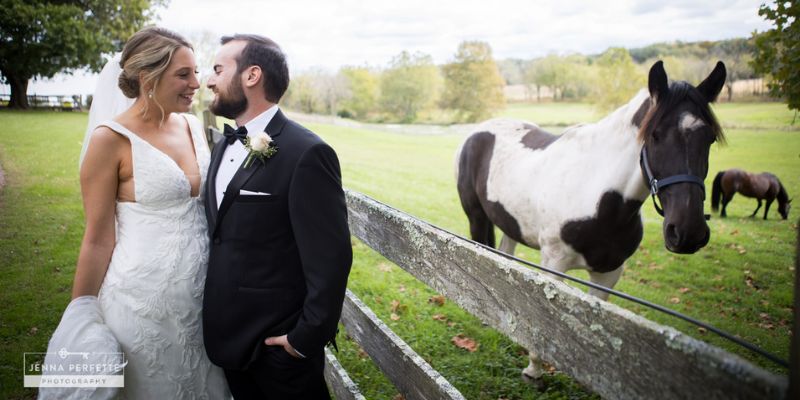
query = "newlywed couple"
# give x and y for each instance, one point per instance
(211, 275)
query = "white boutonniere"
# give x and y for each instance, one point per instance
(259, 146)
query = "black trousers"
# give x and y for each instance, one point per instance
(276, 375)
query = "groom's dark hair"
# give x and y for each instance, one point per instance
(266, 54)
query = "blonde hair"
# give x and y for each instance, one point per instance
(149, 50)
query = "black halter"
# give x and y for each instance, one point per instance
(658, 184)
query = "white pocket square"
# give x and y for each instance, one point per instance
(247, 192)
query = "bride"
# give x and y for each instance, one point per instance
(142, 263)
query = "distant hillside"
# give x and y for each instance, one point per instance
(736, 53)
(578, 76)
(723, 49)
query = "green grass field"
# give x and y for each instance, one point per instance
(741, 282)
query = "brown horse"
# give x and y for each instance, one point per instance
(763, 186)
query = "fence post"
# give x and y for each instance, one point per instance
(210, 127)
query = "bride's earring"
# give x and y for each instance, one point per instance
(150, 94)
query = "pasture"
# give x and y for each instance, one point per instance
(741, 282)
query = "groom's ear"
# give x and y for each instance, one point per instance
(252, 76)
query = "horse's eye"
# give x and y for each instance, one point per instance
(656, 136)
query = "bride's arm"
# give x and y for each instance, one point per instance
(99, 185)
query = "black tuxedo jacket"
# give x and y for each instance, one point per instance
(278, 263)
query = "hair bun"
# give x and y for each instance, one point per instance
(129, 86)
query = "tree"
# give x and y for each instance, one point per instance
(363, 88)
(553, 72)
(315, 91)
(301, 94)
(472, 83)
(618, 79)
(778, 49)
(512, 70)
(542, 72)
(737, 54)
(409, 85)
(42, 38)
(330, 89)
(532, 77)
(578, 78)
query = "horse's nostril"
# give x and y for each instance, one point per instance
(671, 235)
(704, 241)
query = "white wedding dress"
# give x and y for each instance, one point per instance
(150, 303)
(152, 295)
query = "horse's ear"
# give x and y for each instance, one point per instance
(711, 87)
(657, 80)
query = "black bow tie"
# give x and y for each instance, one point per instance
(232, 134)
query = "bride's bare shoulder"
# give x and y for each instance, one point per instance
(179, 121)
(106, 139)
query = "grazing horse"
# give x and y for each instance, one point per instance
(577, 197)
(763, 186)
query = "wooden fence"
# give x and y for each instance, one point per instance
(610, 350)
(51, 102)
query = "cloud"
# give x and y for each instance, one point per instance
(669, 11)
(330, 34)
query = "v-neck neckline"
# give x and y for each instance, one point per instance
(172, 160)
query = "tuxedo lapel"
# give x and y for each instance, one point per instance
(274, 129)
(276, 124)
(211, 181)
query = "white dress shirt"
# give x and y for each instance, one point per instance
(235, 153)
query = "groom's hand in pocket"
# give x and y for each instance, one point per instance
(283, 342)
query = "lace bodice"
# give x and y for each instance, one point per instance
(158, 180)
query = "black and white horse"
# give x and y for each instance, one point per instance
(577, 196)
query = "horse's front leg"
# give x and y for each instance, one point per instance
(507, 245)
(766, 209)
(557, 262)
(605, 279)
(759, 206)
(725, 200)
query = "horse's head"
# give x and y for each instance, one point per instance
(677, 132)
(784, 207)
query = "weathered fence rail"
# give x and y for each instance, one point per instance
(614, 352)
(410, 373)
(343, 387)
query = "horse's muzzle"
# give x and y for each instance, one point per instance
(683, 243)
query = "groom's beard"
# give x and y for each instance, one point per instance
(230, 107)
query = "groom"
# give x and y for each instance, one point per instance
(280, 244)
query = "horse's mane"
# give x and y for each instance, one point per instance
(782, 195)
(679, 92)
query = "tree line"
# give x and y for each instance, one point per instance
(469, 88)
(582, 77)
(411, 86)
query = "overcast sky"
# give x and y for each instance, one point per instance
(329, 34)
